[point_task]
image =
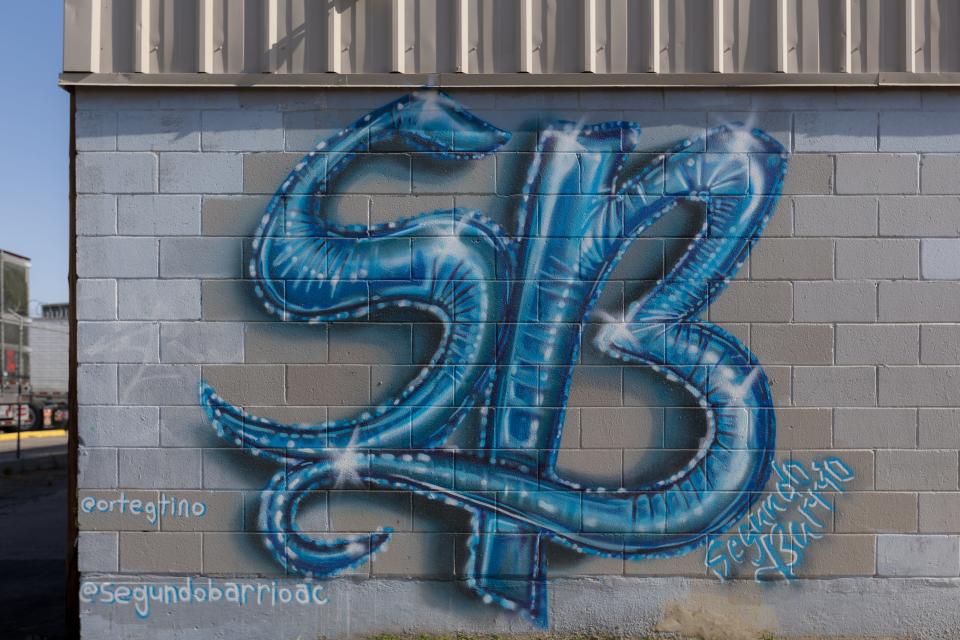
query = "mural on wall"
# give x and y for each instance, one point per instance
(525, 297)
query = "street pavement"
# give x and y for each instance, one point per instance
(33, 531)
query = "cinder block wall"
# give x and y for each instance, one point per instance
(850, 301)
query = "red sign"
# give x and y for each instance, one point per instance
(11, 361)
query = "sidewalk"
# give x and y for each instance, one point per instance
(38, 450)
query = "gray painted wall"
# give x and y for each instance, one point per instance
(850, 301)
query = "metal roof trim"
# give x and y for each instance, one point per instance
(512, 80)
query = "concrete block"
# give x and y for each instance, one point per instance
(537, 100)
(366, 343)
(285, 343)
(804, 428)
(359, 511)
(940, 344)
(203, 173)
(921, 556)
(96, 215)
(835, 216)
(835, 131)
(754, 302)
(776, 124)
(303, 130)
(852, 301)
(201, 258)
(163, 552)
(417, 555)
(98, 551)
(878, 173)
(236, 469)
(940, 512)
(386, 209)
(662, 131)
(679, 99)
(249, 384)
(868, 259)
(653, 99)
(801, 100)
(596, 386)
(312, 511)
(939, 99)
(161, 468)
(592, 467)
(97, 384)
(112, 172)
(239, 554)
(834, 386)
(691, 565)
(231, 300)
(345, 209)
(264, 173)
(96, 130)
(905, 131)
(919, 386)
(906, 301)
(334, 385)
(938, 173)
(792, 343)
(512, 172)
(902, 100)
(201, 342)
(431, 173)
(111, 510)
(162, 215)
(780, 224)
(169, 130)
(916, 470)
(624, 428)
(864, 428)
(837, 555)
(388, 381)
(792, 259)
(242, 130)
(112, 342)
(119, 426)
(110, 257)
(565, 563)
(941, 259)
(159, 384)
(809, 174)
(875, 512)
(939, 428)
(224, 512)
(877, 344)
(96, 299)
(380, 173)
(920, 216)
(159, 299)
(187, 427)
(232, 215)
(97, 468)
(103, 98)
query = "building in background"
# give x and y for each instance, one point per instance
(14, 339)
(35, 353)
(49, 374)
(602, 317)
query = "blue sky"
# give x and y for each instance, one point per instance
(34, 139)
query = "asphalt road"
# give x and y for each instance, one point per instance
(33, 521)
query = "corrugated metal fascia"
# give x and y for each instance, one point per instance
(512, 80)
